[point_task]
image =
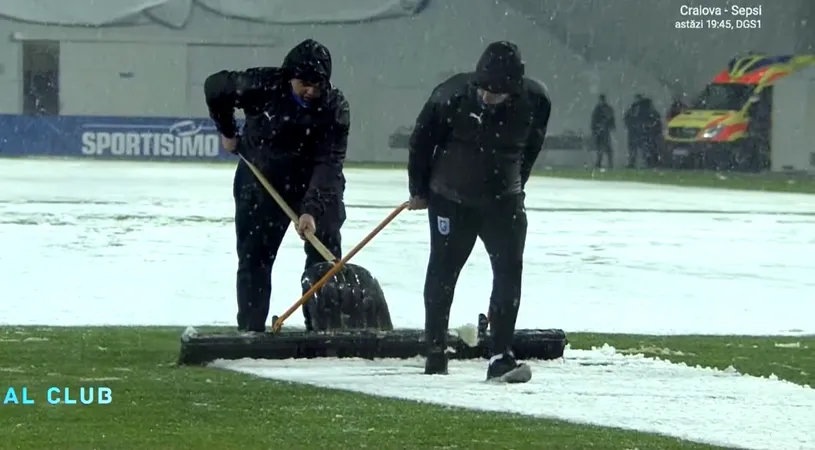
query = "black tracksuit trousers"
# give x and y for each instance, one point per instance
(260, 226)
(454, 228)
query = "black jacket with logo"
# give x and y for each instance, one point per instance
(300, 149)
(475, 154)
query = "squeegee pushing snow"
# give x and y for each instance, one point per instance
(336, 294)
(347, 317)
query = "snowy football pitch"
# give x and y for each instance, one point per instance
(89, 243)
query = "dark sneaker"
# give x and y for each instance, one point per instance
(436, 363)
(504, 368)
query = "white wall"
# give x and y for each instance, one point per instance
(793, 137)
(10, 76)
(387, 68)
(643, 32)
(123, 79)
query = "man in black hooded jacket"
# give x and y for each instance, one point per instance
(296, 133)
(471, 154)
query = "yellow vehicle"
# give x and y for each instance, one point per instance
(728, 125)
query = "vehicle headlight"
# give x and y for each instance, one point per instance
(712, 132)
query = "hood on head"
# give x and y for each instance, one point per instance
(500, 69)
(309, 61)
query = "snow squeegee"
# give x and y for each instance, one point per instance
(467, 342)
(347, 316)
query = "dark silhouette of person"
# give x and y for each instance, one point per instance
(651, 123)
(602, 124)
(634, 129)
(675, 108)
(644, 125)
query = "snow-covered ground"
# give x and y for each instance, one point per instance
(114, 243)
(598, 387)
(127, 244)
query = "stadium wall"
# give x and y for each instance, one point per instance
(644, 34)
(171, 139)
(387, 67)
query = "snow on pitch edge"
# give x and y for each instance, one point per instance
(600, 387)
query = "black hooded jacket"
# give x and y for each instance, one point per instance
(475, 154)
(300, 149)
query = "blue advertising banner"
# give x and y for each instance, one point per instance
(124, 138)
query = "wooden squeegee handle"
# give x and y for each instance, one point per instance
(322, 249)
(322, 281)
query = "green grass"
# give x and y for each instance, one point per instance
(157, 405)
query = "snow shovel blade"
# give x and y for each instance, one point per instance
(351, 299)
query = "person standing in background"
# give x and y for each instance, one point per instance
(602, 124)
(651, 125)
(633, 126)
(675, 108)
